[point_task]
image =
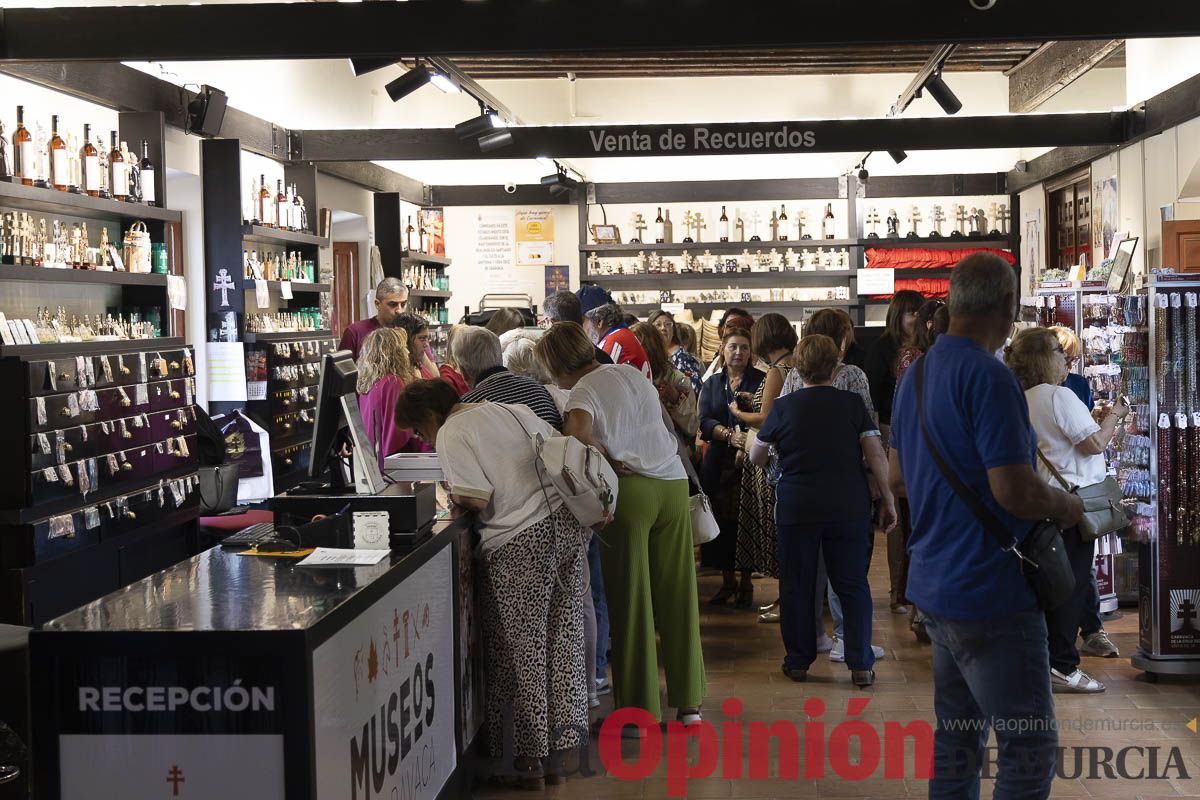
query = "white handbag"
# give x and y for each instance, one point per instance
(583, 478)
(704, 524)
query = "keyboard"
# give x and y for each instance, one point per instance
(248, 537)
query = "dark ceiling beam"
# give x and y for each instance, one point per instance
(123, 88)
(828, 136)
(1051, 69)
(1173, 107)
(461, 27)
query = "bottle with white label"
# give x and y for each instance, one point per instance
(91, 164)
(60, 167)
(118, 172)
(23, 156)
(660, 234)
(827, 226)
(147, 175)
(724, 226)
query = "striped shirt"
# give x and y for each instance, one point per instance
(498, 385)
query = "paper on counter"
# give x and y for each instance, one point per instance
(341, 557)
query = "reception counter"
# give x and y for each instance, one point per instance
(231, 675)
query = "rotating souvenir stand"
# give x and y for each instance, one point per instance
(1169, 561)
(1112, 334)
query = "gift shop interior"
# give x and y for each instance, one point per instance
(198, 205)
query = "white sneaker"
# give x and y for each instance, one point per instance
(824, 643)
(593, 700)
(838, 653)
(603, 686)
(1078, 682)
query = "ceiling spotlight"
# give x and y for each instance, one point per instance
(443, 82)
(408, 83)
(863, 175)
(942, 94)
(474, 127)
(897, 155)
(559, 183)
(362, 66)
(495, 140)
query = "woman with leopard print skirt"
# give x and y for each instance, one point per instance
(532, 576)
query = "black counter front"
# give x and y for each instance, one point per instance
(240, 676)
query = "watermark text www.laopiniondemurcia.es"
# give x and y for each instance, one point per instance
(851, 750)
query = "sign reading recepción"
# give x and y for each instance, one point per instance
(383, 693)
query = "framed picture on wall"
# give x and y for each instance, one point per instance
(606, 234)
(433, 230)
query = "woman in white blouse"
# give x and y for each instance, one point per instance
(533, 572)
(646, 551)
(1074, 443)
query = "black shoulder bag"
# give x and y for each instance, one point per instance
(1043, 556)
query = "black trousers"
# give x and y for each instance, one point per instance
(1062, 623)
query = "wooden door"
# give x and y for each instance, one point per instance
(1181, 245)
(345, 285)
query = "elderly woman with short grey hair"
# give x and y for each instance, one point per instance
(607, 328)
(479, 356)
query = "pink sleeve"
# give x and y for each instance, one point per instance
(378, 410)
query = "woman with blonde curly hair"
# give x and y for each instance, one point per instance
(384, 369)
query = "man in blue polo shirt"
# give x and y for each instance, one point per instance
(991, 667)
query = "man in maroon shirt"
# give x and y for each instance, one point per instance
(391, 299)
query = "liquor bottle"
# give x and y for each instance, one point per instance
(23, 156)
(289, 207)
(133, 171)
(91, 164)
(147, 175)
(118, 172)
(668, 228)
(247, 273)
(408, 232)
(281, 206)
(102, 163)
(59, 163)
(724, 226)
(264, 202)
(74, 166)
(782, 230)
(827, 223)
(297, 210)
(660, 231)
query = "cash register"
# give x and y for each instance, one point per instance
(344, 471)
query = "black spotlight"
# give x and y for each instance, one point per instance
(474, 127)
(408, 83)
(206, 112)
(559, 183)
(495, 140)
(942, 94)
(897, 155)
(362, 66)
(863, 175)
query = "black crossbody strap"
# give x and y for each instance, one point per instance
(982, 513)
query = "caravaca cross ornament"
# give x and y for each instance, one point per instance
(698, 224)
(1003, 217)
(914, 218)
(960, 216)
(223, 284)
(755, 219)
(873, 220)
(639, 225)
(687, 227)
(801, 224)
(939, 216)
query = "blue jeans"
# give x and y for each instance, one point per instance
(601, 604)
(845, 547)
(992, 674)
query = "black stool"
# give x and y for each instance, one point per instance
(14, 703)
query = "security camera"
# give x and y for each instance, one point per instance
(510, 187)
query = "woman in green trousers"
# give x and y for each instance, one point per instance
(646, 551)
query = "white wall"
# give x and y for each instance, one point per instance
(1154, 65)
(466, 278)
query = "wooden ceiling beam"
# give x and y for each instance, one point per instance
(1051, 69)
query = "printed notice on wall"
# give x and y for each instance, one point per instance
(226, 372)
(494, 251)
(535, 236)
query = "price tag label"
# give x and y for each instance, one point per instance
(876, 281)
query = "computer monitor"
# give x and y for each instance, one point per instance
(338, 423)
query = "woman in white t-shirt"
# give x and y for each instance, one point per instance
(532, 578)
(1071, 440)
(646, 551)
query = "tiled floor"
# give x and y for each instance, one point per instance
(742, 658)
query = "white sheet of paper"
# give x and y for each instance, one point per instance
(285, 290)
(262, 294)
(177, 292)
(341, 557)
(876, 281)
(226, 371)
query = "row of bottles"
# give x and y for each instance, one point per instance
(284, 209)
(433, 313)
(424, 278)
(277, 266)
(293, 321)
(62, 164)
(781, 226)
